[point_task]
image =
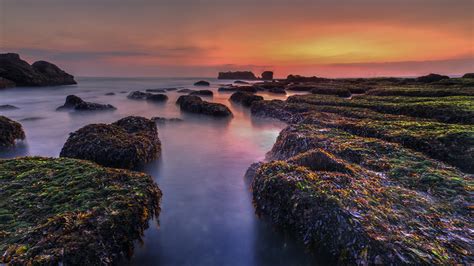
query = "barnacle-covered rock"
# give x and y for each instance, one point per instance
(127, 143)
(71, 212)
(10, 131)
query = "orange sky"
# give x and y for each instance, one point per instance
(199, 38)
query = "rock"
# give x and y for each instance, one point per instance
(245, 98)
(431, 78)
(10, 131)
(202, 93)
(240, 82)
(41, 73)
(267, 75)
(6, 83)
(8, 107)
(171, 89)
(298, 78)
(185, 91)
(202, 83)
(110, 93)
(75, 102)
(194, 104)
(251, 89)
(61, 211)
(138, 95)
(468, 76)
(246, 75)
(227, 89)
(157, 97)
(277, 90)
(341, 92)
(127, 143)
(163, 120)
(156, 90)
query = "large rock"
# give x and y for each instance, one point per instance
(202, 83)
(245, 98)
(127, 143)
(157, 97)
(468, 76)
(9, 132)
(138, 95)
(65, 211)
(202, 93)
(246, 75)
(40, 73)
(76, 103)
(194, 104)
(431, 78)
(267, 75)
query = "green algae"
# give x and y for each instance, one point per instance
(71, 211)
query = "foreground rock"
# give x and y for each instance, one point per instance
(127, 143)
(9, 132)
(194, 104)
(202, 83)
(245, 98)
(72, 212)
(76, 103)
(40, 73)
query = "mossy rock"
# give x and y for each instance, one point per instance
(194, 104)
(72, 212)
(127, 143)
(245, 98)
(9, 132)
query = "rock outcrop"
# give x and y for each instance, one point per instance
(202, 93)
(194, 104)
(127, 143)
(41, 73)
(267, 75)
(76, 103)
(6, 83)
(10, 131)
(245, 75)
(245, 98)
(468, 76)
(431, 78)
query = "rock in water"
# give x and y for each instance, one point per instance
(72, 212)
(246, 75)
(9, 132)
(194, 104)
(202, 83)
(431, 78)
(138, 95)
(157, 97)
(202, 93)
(6, 83)
(267, 75)
(40, 73)
(75, 102)
(127, 143)
(245, 98)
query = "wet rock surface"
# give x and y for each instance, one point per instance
(194, 104)
(127, 143)
(76, 103)
(9, 132)
(83, 214)
(245, 98)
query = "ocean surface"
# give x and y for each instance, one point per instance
(207, 215)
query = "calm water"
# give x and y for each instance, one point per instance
(207, 215)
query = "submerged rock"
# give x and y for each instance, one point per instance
(9, 132)
(110, 93)
(72, 212)
(156, 90)
(163, 120)
(194, 104)
(202, 93)
(240, 82)
(245, 98)
(127, 143)
(138, 95)
(76, 103)
(41, 73)
(185, 91)
(202, 83)
(157, 97)
(8, 107)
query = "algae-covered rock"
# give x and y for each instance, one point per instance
(71, 212)
(76, 103)
(194, 104)
(245, 98)
(127, 143)
(10, 131)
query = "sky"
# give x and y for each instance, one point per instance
(198, 38)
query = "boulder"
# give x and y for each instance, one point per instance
(76, 103)
(267, 75)
(9, 132)
(194, 104)
(110, 93)
(202, 93)
(41, 73)
(127, 143)
(61, 211)
(163, 120)
(138, 95)
(202, 83)
(431, 78)
(246, 75)
(468, 76)
(6, 83)
(245, 98)
(157, 97)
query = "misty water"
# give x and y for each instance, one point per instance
(207, 215)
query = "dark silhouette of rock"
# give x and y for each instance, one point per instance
(41, 73)
(240, 82)
(267, 75)
(76, 103)
(202, 93)
(8, 107)
(468, 76)
(245, 98)
(10, 131)
(127, 143)
(251, 89)
(194, 104)
(6, 83)
(341, 92)
(157, 97)
(185, 91)
(431, 78)
(298, 78)
(277, 90)
(110, 93)
(163, 120)
(246, 75)
(156, 90)
(202, 83)
(138, 95)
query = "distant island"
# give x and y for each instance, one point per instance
(246, 75)
(15, 72)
